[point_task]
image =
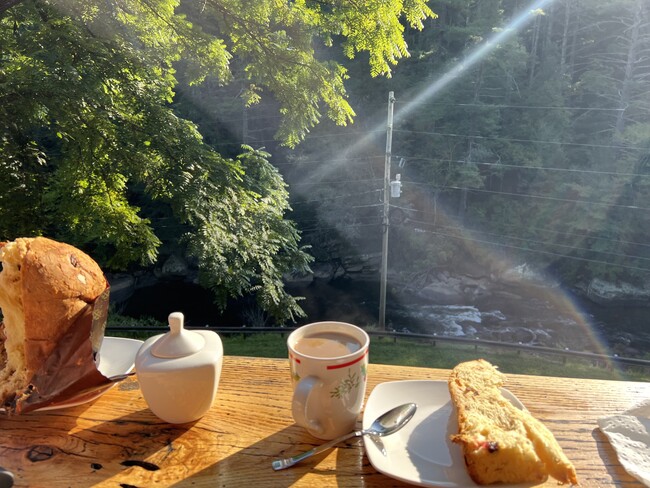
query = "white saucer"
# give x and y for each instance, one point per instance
(116, 356)
(421, 452)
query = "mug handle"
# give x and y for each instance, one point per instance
(300, 401)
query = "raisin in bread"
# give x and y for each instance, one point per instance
(500, 442)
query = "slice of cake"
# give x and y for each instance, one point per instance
(501, 443)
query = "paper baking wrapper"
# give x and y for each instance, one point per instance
(629, 434)
(71, 370)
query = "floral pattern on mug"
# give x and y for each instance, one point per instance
(346, 385)
(295, 377)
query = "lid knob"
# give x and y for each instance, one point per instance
(178, 342)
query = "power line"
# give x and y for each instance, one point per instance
(498, 244)
(443, 134)
(343, 133)
(475, 190)
(478, 163)
(530, 195)
(540, 107)
(408, 209)
(540, 229)
(336, 197)
(314, 229)
(335, 182)
(328, 160)
(539, 168)
(370, 205)
(440, 104)
(502, 236)
(492, 243)
(586, 236)
(501, 244)
(533, 241)
(506, 139)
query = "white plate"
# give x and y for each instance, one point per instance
(116, 356)
(421, 452)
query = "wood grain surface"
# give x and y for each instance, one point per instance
(116, 441)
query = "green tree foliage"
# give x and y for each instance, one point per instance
(90, 143)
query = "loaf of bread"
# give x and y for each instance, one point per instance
(54, 300)
(501, 443)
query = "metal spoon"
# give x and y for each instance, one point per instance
(386, 424)
(6, 478)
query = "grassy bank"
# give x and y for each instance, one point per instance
(423, 354)
(413, 352)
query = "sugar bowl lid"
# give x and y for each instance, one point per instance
(178, 342)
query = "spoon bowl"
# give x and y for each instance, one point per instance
(386, 424)
(392, 421)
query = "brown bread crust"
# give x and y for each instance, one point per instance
(58, 282)
(51, 326)
(501, 443)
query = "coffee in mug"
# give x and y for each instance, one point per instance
(329, 363)
(327, 344)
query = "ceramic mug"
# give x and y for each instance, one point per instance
(328, 362)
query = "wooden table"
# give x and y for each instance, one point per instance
(116, 441)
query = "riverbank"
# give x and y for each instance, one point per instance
(514, 311)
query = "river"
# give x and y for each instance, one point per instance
(535, 316)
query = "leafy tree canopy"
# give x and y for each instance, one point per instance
(88, 135)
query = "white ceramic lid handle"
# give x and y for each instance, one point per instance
(178, 342)
(176, 322)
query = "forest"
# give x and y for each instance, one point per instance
(252, 138)
(539, 150)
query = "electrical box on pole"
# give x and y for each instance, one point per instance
(396, 186)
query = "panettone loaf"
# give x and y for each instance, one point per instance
(46, 289)
(500, 442)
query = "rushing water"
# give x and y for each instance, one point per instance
(535, 319)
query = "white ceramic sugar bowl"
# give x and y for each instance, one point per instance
(179, 371)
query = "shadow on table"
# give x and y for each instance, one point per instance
(251, 465)
(133, 446)
(70, 444)
(610, 461)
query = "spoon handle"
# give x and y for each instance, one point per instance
(279, 464)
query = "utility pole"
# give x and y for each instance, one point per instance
(385, 218)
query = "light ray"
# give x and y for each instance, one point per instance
(457, 70)
(474, 56)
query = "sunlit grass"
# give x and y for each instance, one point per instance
(407, 352)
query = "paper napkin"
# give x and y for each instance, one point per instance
(629, 434)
